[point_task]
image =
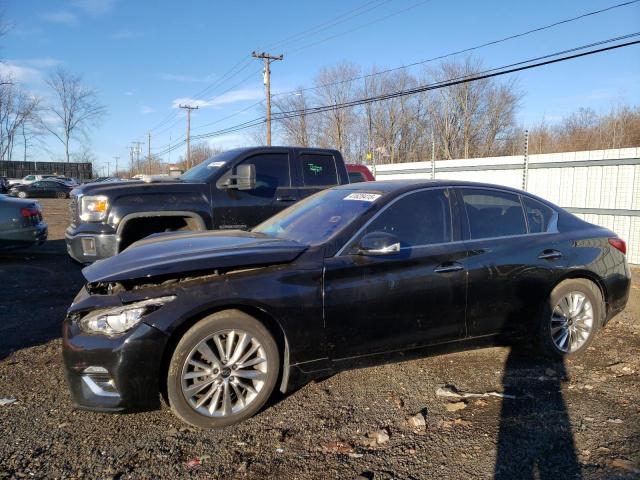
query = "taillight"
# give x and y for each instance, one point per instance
(29, 212)
(618, 244)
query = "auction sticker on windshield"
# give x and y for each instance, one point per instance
(363, 197)
(215, 164)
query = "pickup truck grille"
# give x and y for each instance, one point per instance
(73, 210)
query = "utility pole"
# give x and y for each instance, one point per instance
(149, 152)
(433, 156)
(116, 158)
(525, 171)
(267, 59)
(135, 149)
(188, 108)
(108, 170)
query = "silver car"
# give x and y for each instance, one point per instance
(21, 223)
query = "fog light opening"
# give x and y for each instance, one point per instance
(88, 245)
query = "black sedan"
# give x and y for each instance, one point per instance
(352, 276)
(49, 188)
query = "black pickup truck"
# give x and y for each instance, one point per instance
(236, 189)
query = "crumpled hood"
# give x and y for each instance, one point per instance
(183, 252)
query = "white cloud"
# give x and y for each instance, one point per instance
(221, 100)
(189, 101)
(129, 93)
(145, 110)
(66, 18)
(46, 62)
(94, 7)
(19, 73)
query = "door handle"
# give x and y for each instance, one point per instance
(448, 267)
(286, 198)
(550, 255)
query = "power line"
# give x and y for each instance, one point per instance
(512, 68)
(494, 72)
(386, 17)
(245, 61)
(465, 50)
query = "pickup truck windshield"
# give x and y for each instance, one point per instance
(203, 171)
(317, 218)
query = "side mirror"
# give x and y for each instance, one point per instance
(378, 243)
(244, 179)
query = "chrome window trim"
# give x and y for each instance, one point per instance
(361, 229)
(551, 229)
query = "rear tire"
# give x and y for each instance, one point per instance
(61, 195)
(223, 370)
(570, 319)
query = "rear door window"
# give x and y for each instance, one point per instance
(539, 216)
(492, 213)
(318, 170)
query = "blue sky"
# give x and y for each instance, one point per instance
(143, 57)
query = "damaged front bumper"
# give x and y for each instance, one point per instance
(112, 374)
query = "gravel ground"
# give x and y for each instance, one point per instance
(572, 420)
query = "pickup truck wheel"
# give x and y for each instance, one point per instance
(223, 370)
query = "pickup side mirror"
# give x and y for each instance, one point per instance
(378, 243)
(244, 178)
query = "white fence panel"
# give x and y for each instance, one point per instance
(600, 186)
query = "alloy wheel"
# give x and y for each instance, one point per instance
(571, 322)
(224, 373)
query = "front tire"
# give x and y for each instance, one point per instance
(223, 370)
(22, 194)
(572, 316)
(61, 195)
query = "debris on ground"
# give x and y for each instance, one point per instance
(7, 401)
(338, 447)
(449, 391)
(455, 406)
(374, 439)
(417, 421)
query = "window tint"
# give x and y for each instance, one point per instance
(272, 171)
(30, 177)
(493, 214)
(356, 177)
(421, 218)
(538, 215)
(319, 170)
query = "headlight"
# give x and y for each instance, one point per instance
(93, 208)
(114, 321)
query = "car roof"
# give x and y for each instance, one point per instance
(400, 186)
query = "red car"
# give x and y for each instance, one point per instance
(359, 173)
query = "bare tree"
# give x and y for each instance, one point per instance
(17, 108)
(336, 126)
(75, 107)
(296, 129)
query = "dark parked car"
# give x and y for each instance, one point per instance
(352, 276)
(49, 188)
(21, 223)
(4, 184)
(236, 189)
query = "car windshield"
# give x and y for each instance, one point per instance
(319, 217)
(203, 171)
